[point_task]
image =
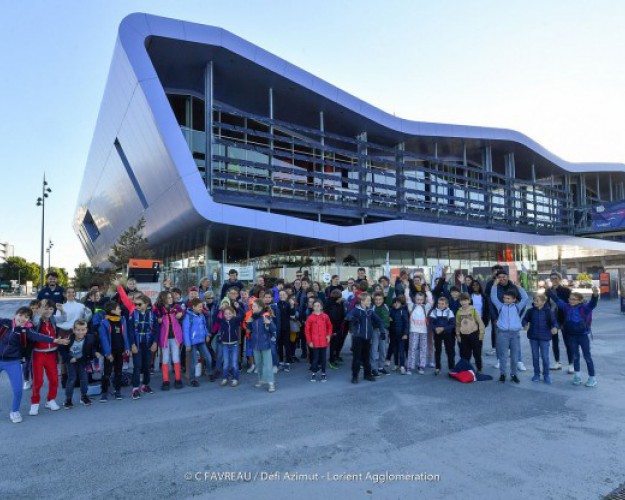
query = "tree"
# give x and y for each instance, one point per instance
(63, 276)
(130, 245)
(85, 276)
(18, 268)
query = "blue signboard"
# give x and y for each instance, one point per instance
(608, 216)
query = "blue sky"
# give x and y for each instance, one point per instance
(552, 70)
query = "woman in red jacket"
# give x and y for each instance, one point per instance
(318, 332)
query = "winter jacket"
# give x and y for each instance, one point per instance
(46, 328)
(284, 312)
(577, 319)
(336, 312)
(540, 322)
(442, 318)
(563, 293)
(88, 348)
(262, 334)
(509, 315)
(228, 285)
(13, 340)
(501, 290)
(230, 330)
(169, 317)
(400, 321)
(194, 329)
(363, 321)
(276, 316)
(142, 328)
(318, 329)
(105, 335)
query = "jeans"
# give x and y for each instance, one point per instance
(378, 350)
(582, 340)
(14, 371)
(274, 353)
(231, 360)
(218, 350)
(540, 349)
(471, 345)
(141, 363)
(362, 353)
(318, 358)
(76, 370)
(508, 340)
(449, 339)
(196, 349)
(263, 361)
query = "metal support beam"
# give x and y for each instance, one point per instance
(362, 174)
(487, 164)
(208, 124)
(399, 177)
(271, 144)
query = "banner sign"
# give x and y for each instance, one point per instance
(608, 216)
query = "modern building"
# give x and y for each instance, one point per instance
(6, 250)
(233, 154)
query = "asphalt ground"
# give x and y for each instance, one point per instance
(311, 440)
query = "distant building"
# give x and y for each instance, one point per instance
(6, 250)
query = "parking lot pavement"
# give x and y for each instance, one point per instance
(312, 440)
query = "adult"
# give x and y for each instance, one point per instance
(563, 293)
(387, 289)
(335, 284)
(465, 283)
(205, 286)
(231, 282)
(52, 291)
(362, 275)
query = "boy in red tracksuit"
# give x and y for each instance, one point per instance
(45, 360)
(318, 333)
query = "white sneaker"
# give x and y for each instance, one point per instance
(251, 369)
(431, 365)
(521, 367)
(51, 405)
(26, 386)
(571, 370)
(255, 370)
(555, 366)
(496, 365)
(402, 370)
(34, 410)
(16, 417)
(271, 388)
(275, 369)
(421, 371)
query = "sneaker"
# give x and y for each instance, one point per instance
(421, 371)
(375, 373)
(16, 417)
(323, 378)
(287, 368)
(547, 379)
(52, 405)
(118, 395)
(165, 386)
(489, 352)
(251, 369)
(136, 394)
(521, 367)
(437, 371)
(577, 380)
(502, 378)
(332, 366)
(178, 384)
(556, 366)
(147, 389)
(223, 382)
(536, 378)
(104, 398)
(25, 387)
(402, 371)
(370, 378)
(255, 369)
(592, 382)
(85, 401)
(280, 367)
(34, 410)
(272, 388)
(496, 365)
(259, 384)
(384, 371)
(313, 377)
(275, 370)
(395, 368)
(431, 365)
(234, 383)
(571, 370)
(68, 405)
(387, 363)
(515, 379)
(194, 383)
(354, 380)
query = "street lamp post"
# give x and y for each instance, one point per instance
(49, 251)
(41, 202)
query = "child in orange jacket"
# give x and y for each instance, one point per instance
(318, 333)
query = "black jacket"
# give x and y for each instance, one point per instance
(88, 348)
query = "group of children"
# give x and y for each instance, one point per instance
(404, 321)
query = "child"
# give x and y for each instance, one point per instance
(508, 327)
(454, 299)
(170, 336)
(442, 323)
(285, 311)
(263, 330)
(268, 301)
(363, 320)
(143, 339)
(577, 321)
(14, 336)
(114, 345)
(335, 309)
(27, 368)
(45, 359)
(418, 334)
(469, 331)
(81, 350)
(399, 332)
(379, 342)
(195, 336)
(295, 326)
(540, 324)
(230, 331)
(318, 333)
